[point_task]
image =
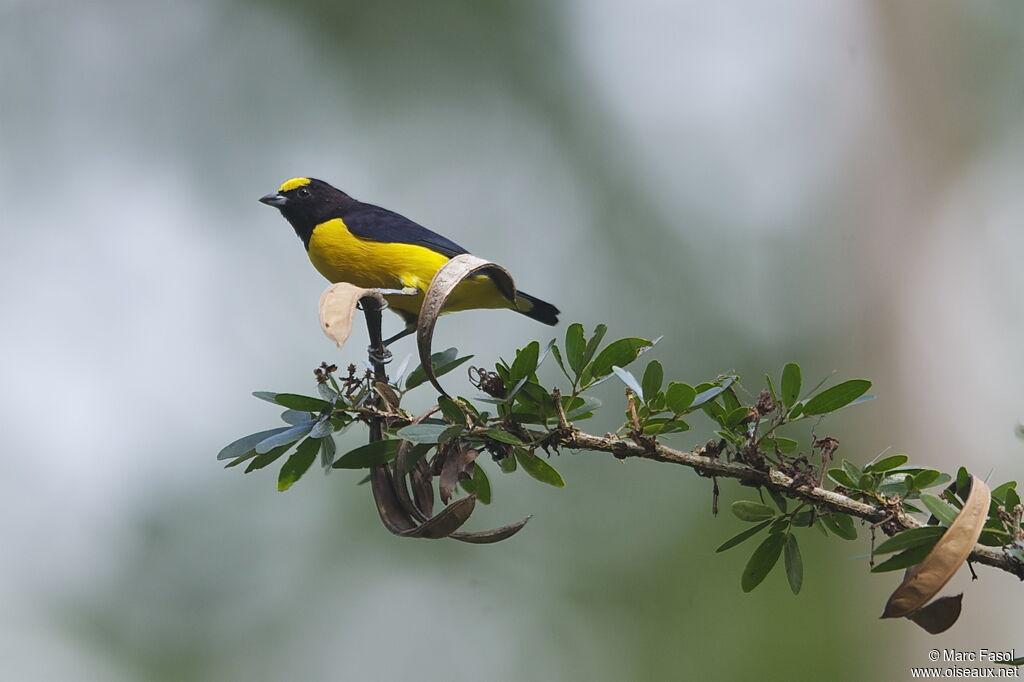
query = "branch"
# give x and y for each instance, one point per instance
(772, 480)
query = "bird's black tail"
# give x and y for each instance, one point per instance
(533, 307)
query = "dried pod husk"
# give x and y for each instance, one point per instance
(923, 581)
(448, 277)
(940, 615)
(392, 514)
(337, 307)
(447, 521)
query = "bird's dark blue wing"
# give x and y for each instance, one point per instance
(379, 224)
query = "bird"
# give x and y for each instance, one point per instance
(348, 240)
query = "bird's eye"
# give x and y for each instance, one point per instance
(302, 193)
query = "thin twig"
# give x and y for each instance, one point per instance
(772, 480)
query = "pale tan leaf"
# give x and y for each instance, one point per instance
(337, 307)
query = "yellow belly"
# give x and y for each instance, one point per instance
(340, 256)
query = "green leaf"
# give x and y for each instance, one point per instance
(785, 445)
(327, 393)
(245, 444)
(629, 380)
(584, 408)
(679, 397)
(804, 518)
(269, 396)
(507, 464)
(748, 533)
(926, 478)
(289, 435)
(842, 478)
(963, 483)
(575, 347)
(998, 493)
(442, 362)
(852, 470)
(664, 425)
(926, 535)
(905, 559)
(752, 511)
(301, 402)
(538, 468)
(295, 417)
(503, 437)
(618, 353)
(561, 363)
(790, 385)
(481, 485)
(886, 464)
(422, 433)
(762, 561)
(268, 458)
(794, 564)
(594, 342)
(298, 463)
(451, 411)
(836, 397)
(653, 376)
(525, 363)
(450, 433)
(371, 454)
(736, 417)
(841, 525)
(704, 397)
(940, 509)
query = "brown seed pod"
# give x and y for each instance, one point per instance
(923, 581)
(450, 275)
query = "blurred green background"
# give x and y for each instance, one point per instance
(832, 183)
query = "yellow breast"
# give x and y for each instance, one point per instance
(340, 256)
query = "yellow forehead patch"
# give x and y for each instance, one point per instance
(292, 184)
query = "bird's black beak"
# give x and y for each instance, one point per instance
(277, 200)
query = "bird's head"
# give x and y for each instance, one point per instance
(307, 201)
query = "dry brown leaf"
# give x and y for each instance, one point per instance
(337, 307)
(457, 462)
(924, 580)
(453, 272)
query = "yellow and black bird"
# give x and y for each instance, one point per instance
(372, 247)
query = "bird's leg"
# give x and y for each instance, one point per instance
(385, 357)
(400, 335)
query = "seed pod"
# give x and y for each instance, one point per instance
(923, 581)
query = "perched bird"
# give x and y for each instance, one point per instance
(372, 247)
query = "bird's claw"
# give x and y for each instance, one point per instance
(383, 356)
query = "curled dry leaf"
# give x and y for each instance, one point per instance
(458, 461)
(923, 581)
(337, 306)
(450, 275)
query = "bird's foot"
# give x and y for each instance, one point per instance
(383, 356)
